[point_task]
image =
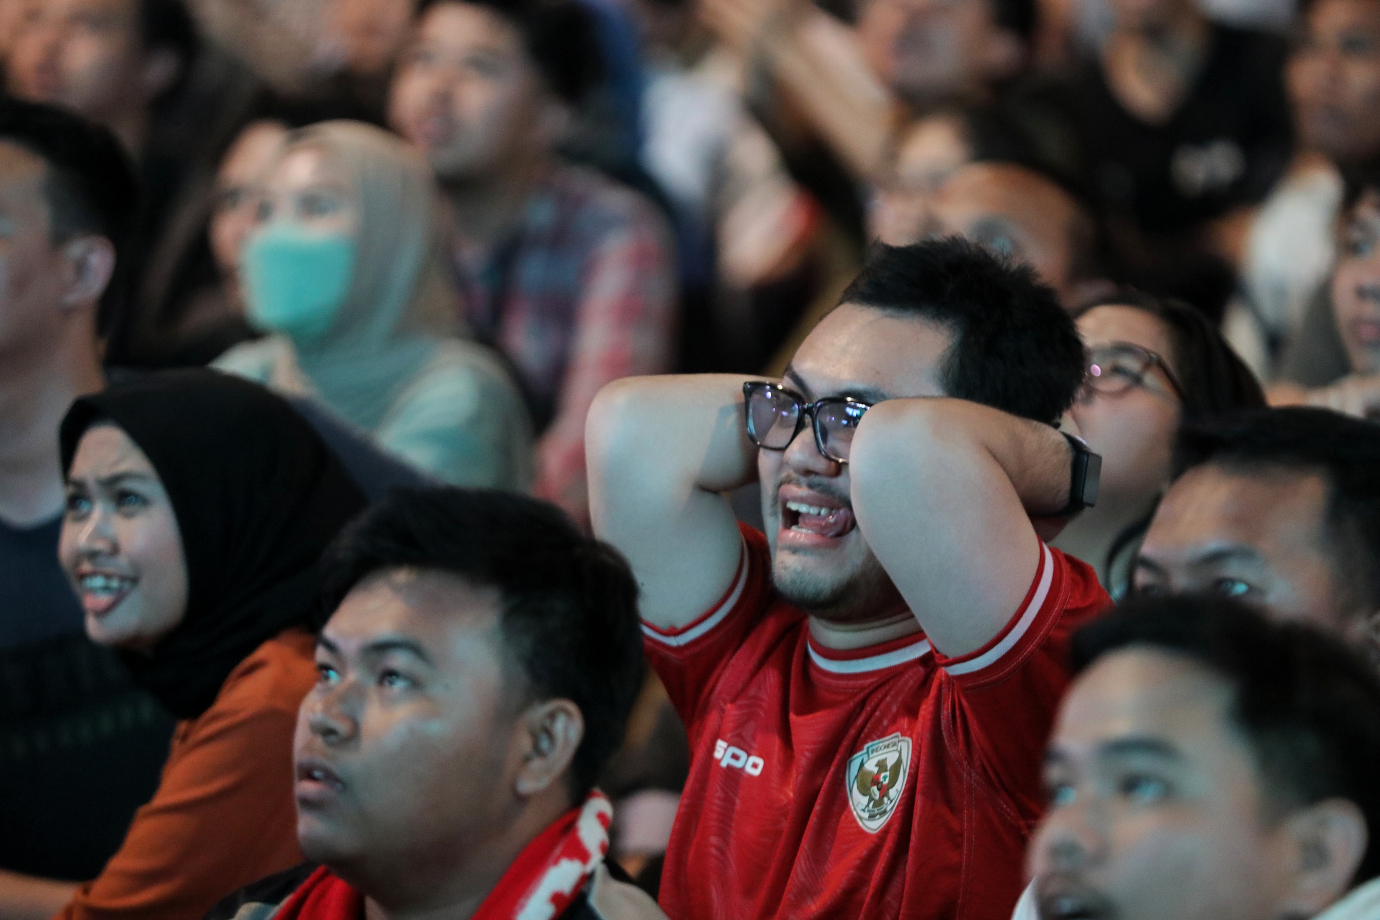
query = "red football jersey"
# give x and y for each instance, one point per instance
(885, 782)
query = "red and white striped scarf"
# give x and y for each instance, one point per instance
(540, 884)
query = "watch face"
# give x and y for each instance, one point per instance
(1092, 478)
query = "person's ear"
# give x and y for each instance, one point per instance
(88, 266)
(1004, 55)
(1324, 844)
(552, 733)
(161, 70)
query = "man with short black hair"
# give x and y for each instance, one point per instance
(867, 686)
(1280, 508)
(567, 273)
(476, 674)
(1208, 764)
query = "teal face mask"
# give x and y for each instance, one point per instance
(296, 281)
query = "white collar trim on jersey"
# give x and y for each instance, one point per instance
(890, 659)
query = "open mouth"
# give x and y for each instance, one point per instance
(102, 592)
(317, 782)
(1065, 902)
(817, 520)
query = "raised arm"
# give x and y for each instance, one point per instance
(944, 492)
(662, 451)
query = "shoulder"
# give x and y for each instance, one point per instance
(273, 678)
(262, 899)
(465, 375)
(594, 202)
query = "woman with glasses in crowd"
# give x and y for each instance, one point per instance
(1153, 364)
(198, 506)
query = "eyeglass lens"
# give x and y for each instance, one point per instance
(837, 423)
(774, 414)
(1117, 370)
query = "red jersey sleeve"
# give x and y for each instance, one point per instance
(999, 702)
(691, 660)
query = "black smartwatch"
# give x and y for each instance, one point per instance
(1086, 474)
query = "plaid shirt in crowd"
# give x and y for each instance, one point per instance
(583, 293)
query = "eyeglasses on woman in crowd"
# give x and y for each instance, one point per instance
(1121, 366)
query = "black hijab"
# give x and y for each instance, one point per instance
(257, 496)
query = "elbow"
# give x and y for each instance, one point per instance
(612, 423)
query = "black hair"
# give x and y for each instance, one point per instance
(1215, 380)
(560, 36)
(568, 602)
(1357, 179)
(90, 182)
(1344, 450)
(1020, 17)
(166, 25)
(1014, 347)
(1306, 704)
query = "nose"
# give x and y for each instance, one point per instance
(97, 535)
(802, 454)
(330, 712)
(1070, 840)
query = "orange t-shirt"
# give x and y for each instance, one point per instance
(224, 814)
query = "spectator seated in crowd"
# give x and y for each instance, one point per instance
(1280, 508)
(476, 674)
(1210, 763)
(1153, 364)
(566, 273)
(1333, 80)
(1186, 127)
(197, 507)
(1350, 324)
(348, 267)
(83, 744)
(866, 686)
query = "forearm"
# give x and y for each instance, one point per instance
(23, 897)
(945, 492)
(659, 450)
(1357, 395)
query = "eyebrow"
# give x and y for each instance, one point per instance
(860, 393)
(379, 647)
(1140, 746)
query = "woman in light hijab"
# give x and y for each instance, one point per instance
(198, 507)
(348, 269)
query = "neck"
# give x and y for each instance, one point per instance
(35, 393)
(846, 637)
(418, 891)
(487, 210)
(1091, 535)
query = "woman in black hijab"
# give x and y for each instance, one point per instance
(198, 508)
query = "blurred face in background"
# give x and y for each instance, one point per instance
(1132, 429)
(120, 544)
(239, 188)
(31, 266)
(1356, 285)
(86, 55)
(1016, 214)
(371, 32)
(931, 50)
(1334, 80)
(469, 96)
(929, 152)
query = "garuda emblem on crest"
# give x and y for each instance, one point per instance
(875, 779)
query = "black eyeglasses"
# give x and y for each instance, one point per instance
(775, 416)
(1118, 367)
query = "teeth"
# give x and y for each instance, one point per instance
(105, 584)
(800, 508)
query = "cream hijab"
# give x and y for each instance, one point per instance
(402, 300)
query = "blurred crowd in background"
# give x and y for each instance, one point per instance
(439, 228)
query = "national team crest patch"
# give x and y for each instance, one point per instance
(875, 779)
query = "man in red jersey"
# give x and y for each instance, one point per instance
(869, 685)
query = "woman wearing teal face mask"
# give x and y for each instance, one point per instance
(348, 272)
